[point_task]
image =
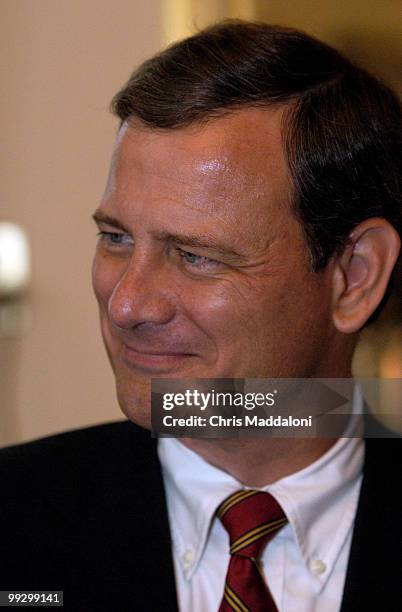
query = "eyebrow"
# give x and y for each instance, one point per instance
(195, 240)
(100, 217)
(198, 241)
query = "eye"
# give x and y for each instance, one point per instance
(115, 238)
(196, 261)
(191, 257)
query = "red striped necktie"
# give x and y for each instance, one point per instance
(252, 519)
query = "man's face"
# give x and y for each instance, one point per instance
(202, 270)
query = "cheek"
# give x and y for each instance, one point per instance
(237, 319)
(223, 311)
(257, 314)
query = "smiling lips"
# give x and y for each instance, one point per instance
(153, 362)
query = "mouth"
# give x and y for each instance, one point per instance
(154, 362)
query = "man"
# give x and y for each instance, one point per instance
(249, 228)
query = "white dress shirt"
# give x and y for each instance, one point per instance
(305, 563)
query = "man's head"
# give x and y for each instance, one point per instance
(252, 211)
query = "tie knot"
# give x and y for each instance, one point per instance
(251, 518)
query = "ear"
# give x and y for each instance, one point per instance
(362, 272)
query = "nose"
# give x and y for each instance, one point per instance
(141, 296)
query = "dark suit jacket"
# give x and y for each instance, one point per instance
(84, 512)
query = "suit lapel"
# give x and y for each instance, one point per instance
(116, 512)
(374, 571)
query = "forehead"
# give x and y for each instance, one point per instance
(232, 168)
(247, 141)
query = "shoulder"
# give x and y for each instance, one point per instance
(98, 437)
(104, 437)
(383, 452)
(377, 527)
(77, 458)
(77, 512)
(381, 473)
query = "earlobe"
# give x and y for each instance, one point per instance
(361, 273)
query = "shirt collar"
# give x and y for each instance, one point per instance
(320, 501)
(194, 489)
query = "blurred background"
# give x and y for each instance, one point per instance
(61, 63)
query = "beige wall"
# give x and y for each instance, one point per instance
(61, 62)
(369, 31)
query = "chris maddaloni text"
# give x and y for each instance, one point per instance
(246, 421)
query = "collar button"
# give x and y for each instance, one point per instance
(318, 567)
(188, 558)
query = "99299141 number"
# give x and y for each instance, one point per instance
(31, 598)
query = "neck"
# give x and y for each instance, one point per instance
(259, 462)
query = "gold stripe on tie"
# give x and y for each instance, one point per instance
(233, 500)
(232, 604)
(255, 534)
(234, 600)
(257, 529)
